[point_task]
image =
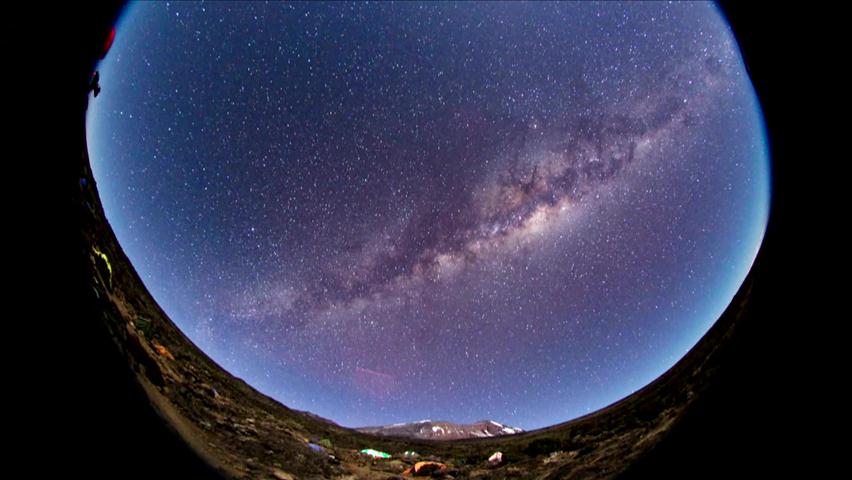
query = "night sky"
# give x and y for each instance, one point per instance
(385, 212)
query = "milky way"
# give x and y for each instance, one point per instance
(387, 212)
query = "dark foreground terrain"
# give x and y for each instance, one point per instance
(154, 404)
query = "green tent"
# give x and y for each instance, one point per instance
(375, 453)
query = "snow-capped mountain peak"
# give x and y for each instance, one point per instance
(439, 430)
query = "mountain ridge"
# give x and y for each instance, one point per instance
(442, 430)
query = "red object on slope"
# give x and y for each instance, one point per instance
(108, 42)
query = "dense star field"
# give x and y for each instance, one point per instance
(388, 212)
